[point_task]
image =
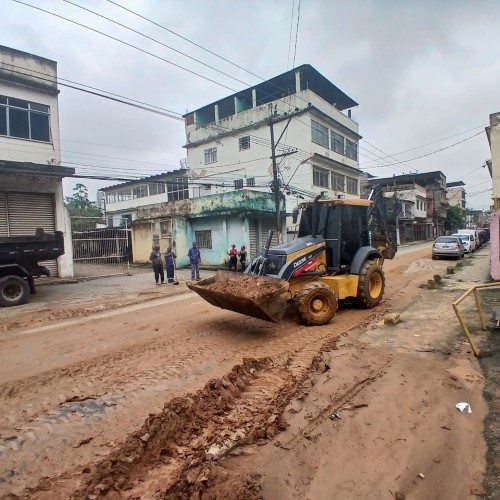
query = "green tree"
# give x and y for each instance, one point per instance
(455, 217)
(80, 208)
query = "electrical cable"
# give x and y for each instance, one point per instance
(125, 43)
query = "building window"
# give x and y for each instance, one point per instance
(177, 189)
(351, 149)
(203, 239)
(156, 188)
(338, 182)
(337, 143)
(110, 198)
(352, 185)
(124, 195)
(139, 192)
(320, 177)
(206, 187)
(319, 133)
(250, 181)
(244, 143)
(166, 228)
(238, 184)
(210, 155)
(24, 119)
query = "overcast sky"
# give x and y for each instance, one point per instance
(426, 75)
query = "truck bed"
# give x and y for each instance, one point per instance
(17, 249)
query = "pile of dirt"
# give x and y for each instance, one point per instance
(174, 450)
(250, 287)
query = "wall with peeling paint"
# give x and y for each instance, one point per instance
(226, 215)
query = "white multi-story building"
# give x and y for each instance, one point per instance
(31, 192)
(229, 142)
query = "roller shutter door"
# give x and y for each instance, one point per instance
(253, 250)
(29, 211)
(267, 225)
(4, 228)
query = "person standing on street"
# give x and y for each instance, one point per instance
(170, 263)
(243, 258)
(195, 260)
(155, 259)
(233, 258)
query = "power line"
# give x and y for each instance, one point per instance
(185, 39)
(296, 34)
(98, 94)
(156, 41)
(125, 43)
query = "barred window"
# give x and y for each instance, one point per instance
(351, 149)
(203, 239)
(250, 181)
(320, 177)
(319, 133)
(337, 143)
(338, 182)
(238, 184)
(352, 185)
(24, 119)
(244, 143)
(210, 155)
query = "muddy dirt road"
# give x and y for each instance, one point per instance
(142, 401)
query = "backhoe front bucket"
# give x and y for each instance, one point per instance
(257, 296)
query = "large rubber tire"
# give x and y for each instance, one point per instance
(316, 303)
(13, 291)
(371, 285)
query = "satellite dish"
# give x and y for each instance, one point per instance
(270, 170)
(202, 173)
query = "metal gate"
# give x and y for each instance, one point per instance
(99, 250)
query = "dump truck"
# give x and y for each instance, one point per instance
(337, 256)
(19, 263)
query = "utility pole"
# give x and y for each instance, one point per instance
(276, 183)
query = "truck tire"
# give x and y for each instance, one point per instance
(13, 291)
(371, 285)
(316, 303)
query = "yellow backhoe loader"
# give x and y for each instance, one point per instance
(338, 255)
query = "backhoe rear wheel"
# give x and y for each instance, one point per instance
(316, 303)
(371, 285)
(14, 291)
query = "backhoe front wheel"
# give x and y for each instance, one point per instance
(371, 285)
(316, 303)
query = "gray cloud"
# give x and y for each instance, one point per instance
(421, 71)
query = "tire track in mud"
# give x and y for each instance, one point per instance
(105, 390)
(169, 452)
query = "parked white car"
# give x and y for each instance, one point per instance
(473, 233)
(467, 241)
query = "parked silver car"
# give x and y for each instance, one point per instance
(447, 246)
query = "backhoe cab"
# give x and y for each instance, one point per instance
(338, 255)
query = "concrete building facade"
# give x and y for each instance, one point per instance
(455, 194)
(493, 135)
(300, 114)
(31, 193)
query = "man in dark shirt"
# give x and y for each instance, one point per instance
(195, 260)
(155, 259)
